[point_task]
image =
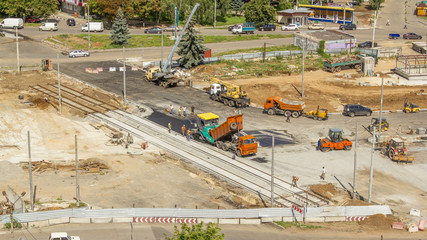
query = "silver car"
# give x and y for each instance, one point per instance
(78, 53)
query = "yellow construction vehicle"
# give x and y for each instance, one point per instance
(409, 107)
(228, 93)
(319, 114)
(375, 122)
(47, 65)
(395, 149)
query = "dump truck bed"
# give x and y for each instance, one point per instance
(232, 125)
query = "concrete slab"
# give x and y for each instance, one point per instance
(315, 219)
(59, 220)
(287, 219)
(271, 219)
(207, 220)
(122, 220)
(228, 221)
(250, 221)
(334, 219)
(43, 223)
(101, 220)
(79, 220)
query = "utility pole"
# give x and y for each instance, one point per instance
(30, 168)
(215, 15)
(372, 166)
(304, 46)
(176, 25)
(381, 110)
(355, 165)
(373, 31)
(124, 77)
(161, 61)
(77, 174)
(272, 172)
(88, 25)
(265, 48)
(17, 50)
(59, 88)
(345, 4)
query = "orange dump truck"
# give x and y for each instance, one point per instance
(226, 135)
(278, 105)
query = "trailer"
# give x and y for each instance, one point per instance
(338, 66)
(226, 136)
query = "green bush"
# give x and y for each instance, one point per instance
(16, 224)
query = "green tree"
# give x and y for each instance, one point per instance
(260, 12)
(109, 8)
(44, 8)
(375, 4)
(120, 31)
(17, 8)
(191, 48)
(146, 9)
(237, 5)
(197, 231)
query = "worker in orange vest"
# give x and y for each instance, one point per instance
(188, 134)
(183, 130)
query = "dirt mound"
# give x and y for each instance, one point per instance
(356, 202)
(379, 222)
(324, 190)
(40, 103)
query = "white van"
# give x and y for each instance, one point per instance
(48, 26)
(12, 23)
(93, 27)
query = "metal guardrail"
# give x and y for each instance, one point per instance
(341, 211)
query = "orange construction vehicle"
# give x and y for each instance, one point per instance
(226, 136)
(278, 105)
(334, 141)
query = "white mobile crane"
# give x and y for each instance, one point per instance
(164, 76)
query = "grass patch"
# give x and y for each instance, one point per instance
(231, 20)
(295, 224)
(102, 41)
(260, 49)
(74, 205)
(32, 24)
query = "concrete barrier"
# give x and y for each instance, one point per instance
(250, 221)
(59, 220)
(334, 219)
(101, 220)
(43, 223)
(228, 221)
(271, 219)
(79, 220)
(287, 219)
(122, 220)
(207, 220)
(315, 219)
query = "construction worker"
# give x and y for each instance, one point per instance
(405, 27)
(323, 173)
(180, 111)
(183, 130)
(188, 134)
(192, 110)
(294, 181)
(184, 111)
(318, 145)
(171, 109)
(288, 117)
(170, 127)
(388, 22)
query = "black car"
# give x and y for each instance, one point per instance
(411, 36)
(352, 110)
(348, 26)
(367, 44)
(153, 30)
(267, 27)
(71, 22)
(230, 28)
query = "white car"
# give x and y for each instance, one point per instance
(78, 53)
(290, 27)
(62, 236)
(316, 26)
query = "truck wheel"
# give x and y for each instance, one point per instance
(347, 147)
(338, 69)
(233, 126)
(238, 153)
(224, 147)
(391, 154)
(270, 111)
(218, 144)
(231, 103)
(295, 114)
(225, 102)
(358, 67)
(287, 113)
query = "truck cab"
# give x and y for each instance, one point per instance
(248, 145)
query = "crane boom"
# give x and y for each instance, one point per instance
(169, 60)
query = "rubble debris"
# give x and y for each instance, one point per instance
(342, 59)
(85, 166)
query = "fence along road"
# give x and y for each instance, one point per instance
(210, 159)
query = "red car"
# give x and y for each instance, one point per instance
(32, 20)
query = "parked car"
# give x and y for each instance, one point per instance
(71, 22)
(367, 44)
(153, 30)
(290, 27)
(171, 28)
(316, 26)
(12, 23)
(230, 28)
(78, 53)
(48, 26)
(411, 36)
(267, 27)
(352, 110)
(348, 26)
(32, 19)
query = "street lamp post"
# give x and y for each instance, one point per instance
(11, 207)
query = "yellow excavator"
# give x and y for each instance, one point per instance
(228, 93)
